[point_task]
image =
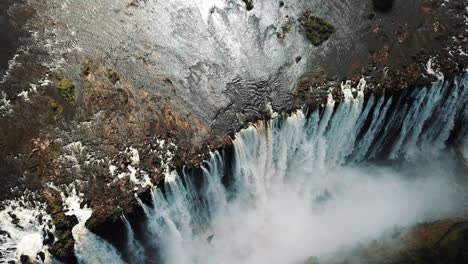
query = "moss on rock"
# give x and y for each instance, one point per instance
(116, 213)
(318, 30)
(67, 88)
(56, 108)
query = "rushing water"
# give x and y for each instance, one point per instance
(309, 185)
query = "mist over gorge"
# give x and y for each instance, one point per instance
(234, 131)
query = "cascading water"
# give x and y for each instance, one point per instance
(310, 184)
(134, 247)
(89, 248)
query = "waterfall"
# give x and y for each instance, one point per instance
(136, 251)
(305, 184)
(89, 248)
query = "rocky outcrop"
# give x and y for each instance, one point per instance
(63, 246)
(318, 30)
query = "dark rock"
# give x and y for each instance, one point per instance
(248, 4)
(7, 48)
(24, 259)
(48, 238)
(41, 256)
(383, 5)
(210, 239)
(63, 248)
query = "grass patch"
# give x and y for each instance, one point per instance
(67, 88)
(318, 30)
(116, 213)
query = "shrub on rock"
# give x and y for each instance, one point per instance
(67, 88)
(318, 30)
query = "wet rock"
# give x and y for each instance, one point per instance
(63, 247)
(210, 239)
(7, 48)
(383, 5)
(48, 238)
(41, 256)
(24, 259)
(248, 4)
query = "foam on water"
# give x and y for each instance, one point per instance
(89, 248)
(24, 224)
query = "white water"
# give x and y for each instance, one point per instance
(89, 248)
(23, 225)
(301, 187)
(133, 246)
(200, 45)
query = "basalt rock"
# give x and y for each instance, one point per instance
(63, 247)
(248, 4)
(383, 5)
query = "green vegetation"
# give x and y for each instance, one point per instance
(56, 108)
(67, 88)
(318, 30)
(248, 4)
(116, 213)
